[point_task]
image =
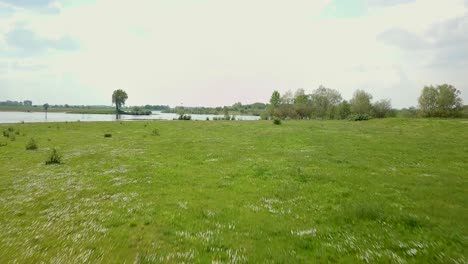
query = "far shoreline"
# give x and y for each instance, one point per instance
(71, 111)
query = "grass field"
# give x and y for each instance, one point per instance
(386, 191)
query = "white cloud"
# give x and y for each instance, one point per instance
(219, 52)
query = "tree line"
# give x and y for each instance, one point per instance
(238, 108)
(326, 103)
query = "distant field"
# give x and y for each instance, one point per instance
(382, 191)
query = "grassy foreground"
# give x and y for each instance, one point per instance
(387, 191)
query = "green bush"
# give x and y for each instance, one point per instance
(155, 132)
(3, 144)
(54, 157)
(107, 135)
(185, 117)
(31, 145)
(359, 117)
(277, 121)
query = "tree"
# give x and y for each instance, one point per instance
(275, 99)
(361, 103)
(440, 101)
(325, 102)
(428, 101)
(237, 106)
(287, 98)
(449, 103)
(344, 110)
(382, 108)
(275, 102)
(118, 98)
(300, 97)
(46, 107)
(301, 104)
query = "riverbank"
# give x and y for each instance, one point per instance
(36, 109)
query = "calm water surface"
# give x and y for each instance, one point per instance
(36, 117)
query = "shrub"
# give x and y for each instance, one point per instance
(185, 117)
(12, 137)
(3, 144)
(107, 135)
(54, 157)
(359, 117)
(31, 145)
(207, 119)
(155, 132)
(233, 117)
(277, 121)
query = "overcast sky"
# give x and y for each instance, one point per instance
(218, 52)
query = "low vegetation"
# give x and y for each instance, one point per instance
(184, 117)
(382, 191)
(54, 157)
(31, 145)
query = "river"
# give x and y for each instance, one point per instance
(37, 117)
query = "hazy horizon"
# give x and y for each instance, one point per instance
(215, 53)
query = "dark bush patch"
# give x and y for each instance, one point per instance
(277, 121)
(3, 144)
(368, 212)
(31, 145)
(54, 157)
(155, 132)
(107, 135)
(359, 117)
(411, 221)
(185, 117)
(363, 211)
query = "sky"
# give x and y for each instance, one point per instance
(219, 52)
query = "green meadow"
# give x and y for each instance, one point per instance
(380, 191)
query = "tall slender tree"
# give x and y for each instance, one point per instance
(46, 107)
(118, 98)
(275, 102)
